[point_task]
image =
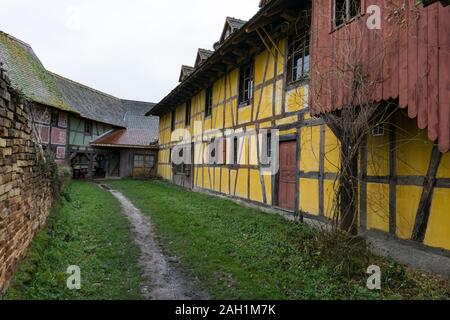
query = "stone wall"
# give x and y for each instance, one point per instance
(26, 192)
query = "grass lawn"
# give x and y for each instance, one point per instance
(242, 253)
(87, 229)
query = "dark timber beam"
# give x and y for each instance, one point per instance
(423, 212)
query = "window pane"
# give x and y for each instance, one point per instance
(355, 8)
(306, 64)
(245, 84)
(340, 12)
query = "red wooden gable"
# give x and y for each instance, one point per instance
(407, 59)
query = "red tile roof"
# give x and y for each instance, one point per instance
(126, 138)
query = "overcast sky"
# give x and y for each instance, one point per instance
(132, 49)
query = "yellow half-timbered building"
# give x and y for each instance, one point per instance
(254, 85)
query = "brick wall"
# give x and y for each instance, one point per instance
(25, 191)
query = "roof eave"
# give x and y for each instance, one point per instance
(248, 28)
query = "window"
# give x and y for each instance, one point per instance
(345, 10)
(208, 101)
(269, 145)
(88, 127)
(378, 130)
(245, 84)
(213, 145)
(235, 151)
(187, 121)
(55, 118)
(144, 161)
(172, 121)
(223, 144)
(298, 57)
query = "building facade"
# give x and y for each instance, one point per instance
(256, 84)
(69, 118)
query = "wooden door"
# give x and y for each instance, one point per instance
(288, 175)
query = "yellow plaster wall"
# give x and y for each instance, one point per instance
(378, 206)
(309, 196)
(408, 198)
(438, 231)
(310, 149)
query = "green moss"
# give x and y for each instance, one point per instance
(29, 75)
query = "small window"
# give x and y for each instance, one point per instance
(55, 118)
(235, 151)
(269, 145)
(172, 121)
(245, 84)
(378, 130)
(208, 101)
(224, 151)
(213, 144)
(138, 161)
(345, 10)
(144, 161)
(188, 113)
(298, 63)
(88, 127)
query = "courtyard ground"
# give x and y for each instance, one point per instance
(228, 251)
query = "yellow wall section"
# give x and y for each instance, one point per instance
(378, 206)
(309, 196)
(438, 232)
(378, 155)
(330, 188)
(310, 149)
(444, 166)
(242, 183)
(331, 161)
(255, 186)
(413, 150)
(297, 99)
(408, 198)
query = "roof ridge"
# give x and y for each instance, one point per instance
(138, 101)
(207, 50)
(16, 39)
(237, 19)
(84, 86)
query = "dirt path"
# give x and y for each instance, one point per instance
(163, 282)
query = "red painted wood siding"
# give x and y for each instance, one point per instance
(288, 169)
(409, 62)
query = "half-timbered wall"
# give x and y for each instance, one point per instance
(395, 167)
(50, 126)
(78, 139)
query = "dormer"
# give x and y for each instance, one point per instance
(202, 56)
(231, 26)
(185, 72)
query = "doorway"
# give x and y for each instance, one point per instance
(287, 175)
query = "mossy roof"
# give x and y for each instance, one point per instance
(28, 75)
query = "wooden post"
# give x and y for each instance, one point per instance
(423, 212)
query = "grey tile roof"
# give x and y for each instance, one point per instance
(137, 107)
(90, 103)
(28, 75)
